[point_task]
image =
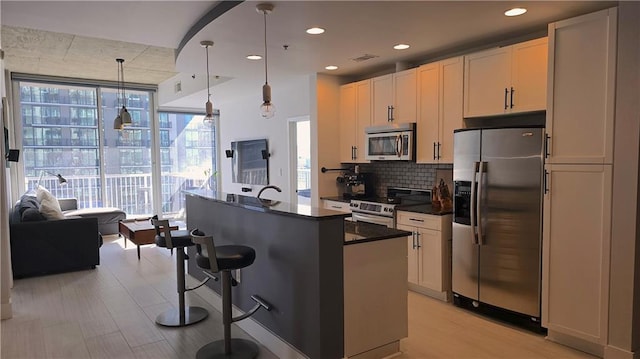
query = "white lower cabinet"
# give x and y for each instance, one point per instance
(576, 250)
(429, 253)
(336, 205)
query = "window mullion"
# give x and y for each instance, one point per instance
(101, 136)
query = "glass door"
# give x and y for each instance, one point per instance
(187, 157)
(127, 154)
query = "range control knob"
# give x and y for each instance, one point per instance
(390, 210)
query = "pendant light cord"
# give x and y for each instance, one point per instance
(264, 13)
(124, 94)
(118, 85)
(206, 48)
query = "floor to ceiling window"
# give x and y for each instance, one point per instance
(187, 157)
(60, 135)
(127, 153)
(68, 129)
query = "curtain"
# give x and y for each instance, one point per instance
(6, 280)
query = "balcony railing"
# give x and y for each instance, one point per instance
(131, 193)
(304, 178)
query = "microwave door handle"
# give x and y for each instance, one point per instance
(473, 204)
(399, 145)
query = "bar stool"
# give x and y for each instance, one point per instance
(224, 259)
(178, 239)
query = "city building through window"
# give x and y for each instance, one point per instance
(69, 130)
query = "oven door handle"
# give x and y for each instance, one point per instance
(372, 218)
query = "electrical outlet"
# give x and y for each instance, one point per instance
(237, 275)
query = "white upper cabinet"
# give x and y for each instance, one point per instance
(580, 113)
(506, 80)
(439, 109)
(394, 97)
(355, 115)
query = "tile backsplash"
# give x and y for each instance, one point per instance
(406, 174)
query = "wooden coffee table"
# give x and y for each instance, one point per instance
(140, 231)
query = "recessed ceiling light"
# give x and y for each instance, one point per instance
(515, 11)
(331, 67)
(315, 30)
(401, 46)
(254, 57)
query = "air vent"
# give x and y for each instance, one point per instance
(177, 88)
(364, 57)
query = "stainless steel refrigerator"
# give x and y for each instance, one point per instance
(497, 226)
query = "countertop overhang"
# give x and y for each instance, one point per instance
(267, 205)
(361, 232)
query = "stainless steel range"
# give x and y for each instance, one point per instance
(380, 210)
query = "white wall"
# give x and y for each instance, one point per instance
(240, 120)
(325, 134)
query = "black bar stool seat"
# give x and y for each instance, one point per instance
(228, 257)
(178, 239)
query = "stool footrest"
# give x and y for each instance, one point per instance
(260, 303)
(200, 284)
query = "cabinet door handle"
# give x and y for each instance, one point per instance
(546, 181)
(413, 240)
(418, 240)
(337, 207)
(506, 92)
(546, 145)
(439, 157)
(512, 91)
(388, 113)
(354, 153)
(434, 150)
(416, 220)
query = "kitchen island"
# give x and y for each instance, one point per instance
(300, 264)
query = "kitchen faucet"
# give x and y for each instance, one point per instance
(267, 187)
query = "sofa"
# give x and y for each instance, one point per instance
(41, 245)
(108, 217)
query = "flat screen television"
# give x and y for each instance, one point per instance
(250, 162)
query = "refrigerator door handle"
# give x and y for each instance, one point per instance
(472, 215)
(479, 203)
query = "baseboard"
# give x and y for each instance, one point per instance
(262, 335)
(387, 351)
(443, 296)
(611, 352)
(576, 343)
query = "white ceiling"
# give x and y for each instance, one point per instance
(354, 28)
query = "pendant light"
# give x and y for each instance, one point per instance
(123, 118)
(267, 109)
(208, 118)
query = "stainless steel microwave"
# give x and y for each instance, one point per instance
(395, 142)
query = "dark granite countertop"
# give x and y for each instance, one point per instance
(265, 205)
(423, 208)
(360, 232)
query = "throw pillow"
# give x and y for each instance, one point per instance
(27, 202)
(32, 215)
(49, 205)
